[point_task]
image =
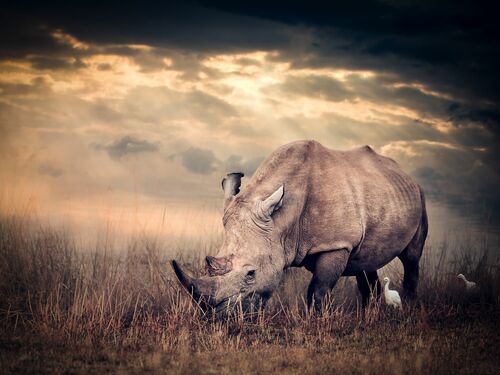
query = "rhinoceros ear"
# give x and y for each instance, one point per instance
(231, 186)
(273, 202)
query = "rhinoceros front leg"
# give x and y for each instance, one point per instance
(326, 267)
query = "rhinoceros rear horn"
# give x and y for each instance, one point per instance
(273, 202)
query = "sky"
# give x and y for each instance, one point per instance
(134, 109)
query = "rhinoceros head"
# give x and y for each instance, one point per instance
(250, 262)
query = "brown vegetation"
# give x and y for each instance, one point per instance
(67, 309)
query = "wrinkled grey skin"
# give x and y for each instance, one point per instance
(337, 213)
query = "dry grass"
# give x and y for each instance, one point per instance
(67, 309)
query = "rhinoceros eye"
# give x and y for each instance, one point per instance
(250, 277)
(251, 271)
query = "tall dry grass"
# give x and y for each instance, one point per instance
(53, 289)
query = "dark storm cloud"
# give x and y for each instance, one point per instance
(454, 175)
(37, 86)
(204, 161)
(446, 185)
(237, 163)
(127, 145)
(104, 67)
(346, 130)
(185, 25)
(22, 34)
(199, 160)
(50, 170)
(327, 88)
(460, 36)
(48, 63)
(383, 90)
(462, 115)
(448, 45)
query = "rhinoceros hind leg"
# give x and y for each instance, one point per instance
(369, 285)
(327, 267)
(410, 257)
(410, 280)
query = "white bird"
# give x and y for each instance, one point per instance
(391, 297)
(469, 285)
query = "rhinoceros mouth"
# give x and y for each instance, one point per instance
(202, 290)
(203, 293)
(248, 305)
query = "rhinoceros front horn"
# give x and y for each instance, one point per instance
(202, 290)
(184, 278)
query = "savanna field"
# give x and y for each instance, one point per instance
(69, 307)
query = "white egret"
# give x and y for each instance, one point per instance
(469, 285)
(391, 297)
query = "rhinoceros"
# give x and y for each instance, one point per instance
(336, 213)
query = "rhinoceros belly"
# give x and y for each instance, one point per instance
(391, 217)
